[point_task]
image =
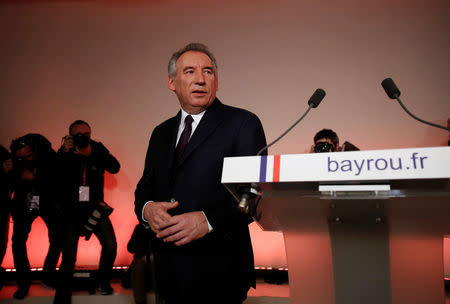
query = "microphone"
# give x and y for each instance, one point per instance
(394, 93)
(313, 102)
(248, 194)
(316, 98)
(390, 88)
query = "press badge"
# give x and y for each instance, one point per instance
(83, 194)
(34, 203)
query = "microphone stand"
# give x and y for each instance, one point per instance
(251, 195)
(417, 118)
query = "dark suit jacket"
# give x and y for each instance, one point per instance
(223, 257)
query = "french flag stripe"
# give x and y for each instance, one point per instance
(276, 168)
(263, 169)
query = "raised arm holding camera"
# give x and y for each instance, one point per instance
(82, 162)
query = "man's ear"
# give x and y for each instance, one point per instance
(171, 83)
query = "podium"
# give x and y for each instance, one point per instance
(359, 227)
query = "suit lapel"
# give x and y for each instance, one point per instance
(172, 141)
(207, 126)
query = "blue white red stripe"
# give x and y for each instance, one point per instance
(269, 170)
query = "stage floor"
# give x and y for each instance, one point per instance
(264, 294)
(39, 294)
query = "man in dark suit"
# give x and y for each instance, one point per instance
(201, 241)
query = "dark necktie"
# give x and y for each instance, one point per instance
(184, 138)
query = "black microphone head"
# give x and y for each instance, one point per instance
(391, 89)
(316, 98)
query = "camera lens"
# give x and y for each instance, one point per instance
(322, 147)
(81, 141)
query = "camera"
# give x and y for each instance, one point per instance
(19, 163)
(321, 147)
(81, 141)
(102, 209)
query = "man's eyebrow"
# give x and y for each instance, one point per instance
(204, 68)
(188, 68)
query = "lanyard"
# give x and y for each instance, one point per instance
(84, 174)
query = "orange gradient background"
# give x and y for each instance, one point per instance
(106, 62)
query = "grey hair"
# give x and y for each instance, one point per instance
(196, 47)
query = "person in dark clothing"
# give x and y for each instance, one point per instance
(326, 140)
(34, 184)
(82, 162)
(201, 241)
(5, 195)
(141, 274)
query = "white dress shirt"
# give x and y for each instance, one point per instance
(195, 122)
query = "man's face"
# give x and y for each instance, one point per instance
(195, 82)
(81, 129)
